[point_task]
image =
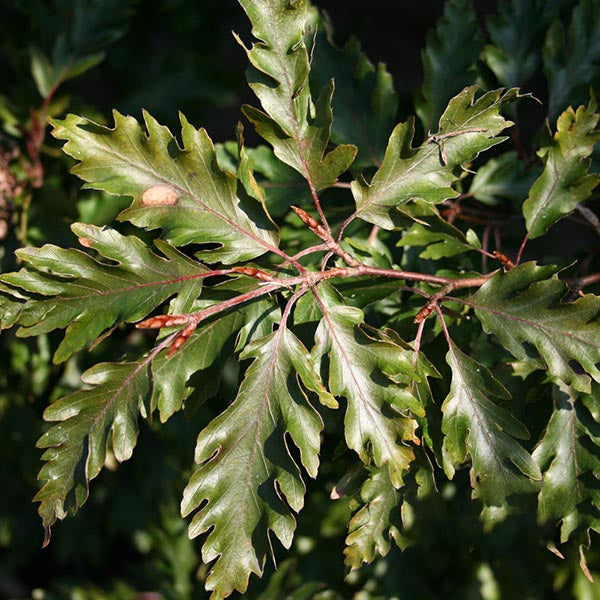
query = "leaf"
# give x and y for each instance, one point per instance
(440, 238)
(89, 421)
(42, 72)
(199, 201)
(364, 103)
(206, 347)
(378, 520)
(504, 177)
(523, 309)
(449, 60)
(569, 456)
(515, 33)
(283, 185)
(74, 285)
(571, 59)
(305, 150)
(467, 127)
(10, 306)
(476, 426)
(248, 484)
(298, 130)
(565, 181)
(373, 373)
(86, 27)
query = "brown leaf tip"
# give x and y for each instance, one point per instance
(160, 195)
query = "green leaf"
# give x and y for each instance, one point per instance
(523, 309)
(504, 177)
(565, 180)
(248, 485)
(11, 303)
(205, 347)
(364, 103)
(467, 127)
(515, 33)
(305, 150)
(373, 372)
(90, 422)
(571, 59)
(569, 456)
(449, 60)
(298, 130)
(42, 72)
(475, 426)
(82, 64)
(182, 191)
(283, 186)
(440, 238)
(74, 285)
(378, 520)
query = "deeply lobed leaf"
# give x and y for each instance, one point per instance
(298, 130)
(425, 227)
(565, 180)
(204, 205)
(467, 127)
(373, 372)
(89, 422)
(376, 522)
(523, 309)
(569, 456)
(475, 426)
(248, 485)
(69, 286)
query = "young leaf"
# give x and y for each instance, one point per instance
(182, 191)
(378, 520)
(89, 421)
(569, 456)
(515, 33)
(74, 285)
(248, 484)
(571, 59)
(467, 127)
(565, 180)
(449, 60)
(364, 103)
(476, 426)
(523, 308)
(372, 372)
(298, 130)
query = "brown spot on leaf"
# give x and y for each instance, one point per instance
(84, 241)
(160, 195)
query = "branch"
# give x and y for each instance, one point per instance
(308, 279)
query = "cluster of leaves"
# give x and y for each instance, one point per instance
(349, 269)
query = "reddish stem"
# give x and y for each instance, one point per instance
(523, 244)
